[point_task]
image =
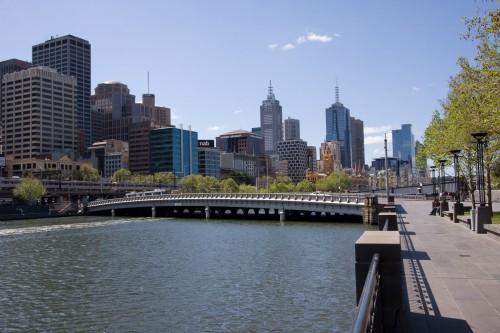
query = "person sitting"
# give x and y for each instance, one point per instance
(435, 207)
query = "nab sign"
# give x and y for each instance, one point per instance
(206, 144)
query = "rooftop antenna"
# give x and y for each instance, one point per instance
(337, 99)
(148, 82)
(270, 95)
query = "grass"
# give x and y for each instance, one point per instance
(495, 219)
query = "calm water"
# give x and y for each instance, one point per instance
(165, 275)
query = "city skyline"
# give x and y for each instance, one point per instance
(211, 62)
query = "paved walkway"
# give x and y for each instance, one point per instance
(451, 274)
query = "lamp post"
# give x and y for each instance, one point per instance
(480, 166)
(483, 212)
(441, 174)
(433, 171)
(457, 173)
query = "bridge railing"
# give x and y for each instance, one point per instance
(368, 315)
(337, 197)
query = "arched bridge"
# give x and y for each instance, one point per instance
(235, 205)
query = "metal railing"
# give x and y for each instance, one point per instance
(368, 316)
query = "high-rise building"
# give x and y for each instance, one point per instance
(71, 56)
(115, 104)
(39, 107)
(208, 159)
(6, 67)
(291, 129)
(173, 150)
(403, 146)
(338, 128)
(358, 144)
(271, 123)
(294, 152)
(241, 142)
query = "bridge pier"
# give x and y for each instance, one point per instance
(113, 213)
(153, 212)
(282, 215)
(207, 212)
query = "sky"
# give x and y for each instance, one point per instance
(211, 62)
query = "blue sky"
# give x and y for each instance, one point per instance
(211, 61)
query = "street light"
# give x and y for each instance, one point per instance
(442, 174)
(480, 166)
(457, 173)
(433, 170)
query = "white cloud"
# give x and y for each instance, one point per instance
(312, 37)
(337, 35)
(238, 111)
(414, 90)
(288, 47)
(273, 46)
(374, 139)
(215, 128)
(378, 129)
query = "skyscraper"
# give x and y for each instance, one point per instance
(43, 120)
(291, 129)
(358, 144)
(403, 146)
(338, 128)
(271, 123)
(70, 55)
(294, 152)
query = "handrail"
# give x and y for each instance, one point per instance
(368, 302)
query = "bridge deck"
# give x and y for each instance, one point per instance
(350, 204)
(451, 274)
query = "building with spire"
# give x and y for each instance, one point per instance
(271, 123)
(338, 128)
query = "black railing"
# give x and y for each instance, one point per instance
(368, 318)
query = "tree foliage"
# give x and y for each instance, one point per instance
(473, 101)
(88, 173)
(30, 188)
(335, 182)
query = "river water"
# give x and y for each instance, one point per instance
(95, 274)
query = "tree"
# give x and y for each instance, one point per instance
(335, 182)
(88, 173)
(30, 188)
(305, 186)
(190, 183)
(473, 101)
(121, 175)
(229, 185)
(282, 184)
(244, 188)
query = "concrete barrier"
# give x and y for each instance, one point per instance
(388, 245)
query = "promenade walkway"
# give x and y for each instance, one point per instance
(451, 274)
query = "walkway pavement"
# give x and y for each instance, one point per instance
(451, 274)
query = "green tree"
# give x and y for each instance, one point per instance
(229, 185)
(244, 188)
(305, 186)
(335, 182)
(29, 188)
(88, 173)
(473, 101)
(121, 175)
(190, 183)
(282, 184)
